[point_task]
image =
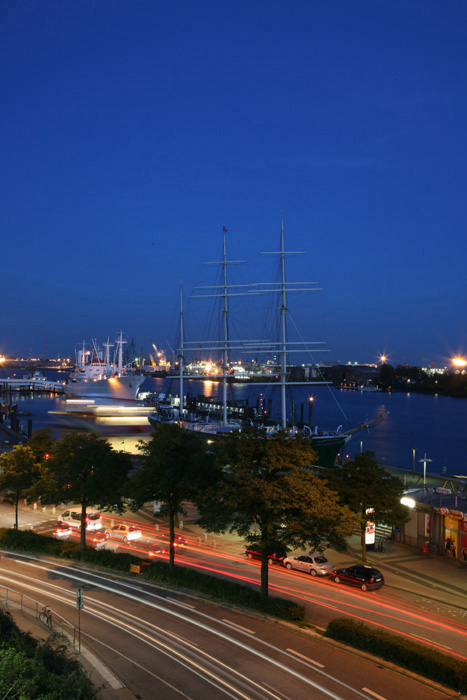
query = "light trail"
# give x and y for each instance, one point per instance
(241, 644)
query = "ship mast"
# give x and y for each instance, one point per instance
(284, 345)
(222, 291)
(180, 357)
(225, 314)
(283, 332)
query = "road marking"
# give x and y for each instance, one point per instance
(375, 695)
(311, 661)
(179, 602)
(425, 639)
(239, 627)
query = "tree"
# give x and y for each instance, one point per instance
(19, 472)
(363, 484)
(262, 480)
(174, 465)
(83, 468)
(41, 443)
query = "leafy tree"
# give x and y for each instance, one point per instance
(263, 480)
(174, 465)
(19, 472)
(31, 668)
(363, 484)
(41, 443)
(83, 468)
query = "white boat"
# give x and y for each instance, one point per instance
(98, 377)
(103, 418)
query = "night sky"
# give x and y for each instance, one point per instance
(132, 132)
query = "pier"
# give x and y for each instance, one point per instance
(32, 385)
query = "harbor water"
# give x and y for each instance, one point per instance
(415, 425)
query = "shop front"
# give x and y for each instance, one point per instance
(455, 533)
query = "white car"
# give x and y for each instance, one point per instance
(73, 519)
(312, 563)
(123, 532)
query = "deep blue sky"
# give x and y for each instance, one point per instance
(132, 132)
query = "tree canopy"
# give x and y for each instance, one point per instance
(174, 466)
(19, 472)
(363, 484)
(83, 468)
(41, 443)
(266, 494)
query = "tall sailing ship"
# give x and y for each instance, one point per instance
(326, 443)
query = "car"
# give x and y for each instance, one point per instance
(274, 557)
(155, 549)
(312, 563)
(179, 540)
(365, 577)
(123, 532)
(62, 532)
(108, 545)
(73, 519)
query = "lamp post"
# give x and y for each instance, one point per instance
(310, 412)
(413, 458)
(424, 460)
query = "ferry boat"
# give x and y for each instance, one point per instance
(103, 418)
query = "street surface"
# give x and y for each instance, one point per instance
(163, 644)
(146, 634)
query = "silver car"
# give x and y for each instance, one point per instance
(312, 563)
(123, 532)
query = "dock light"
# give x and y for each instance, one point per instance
(409, 502)
(459, 362)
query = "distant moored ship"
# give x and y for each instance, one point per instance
(97, 376)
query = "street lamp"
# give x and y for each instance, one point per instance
(310, 412)
(424, 460)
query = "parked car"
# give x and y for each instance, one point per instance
(73, 519)
(276, 557)
(123, 532)
(365, 577)
(312, 563)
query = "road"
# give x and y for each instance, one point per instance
(414, 614)
(169, 645)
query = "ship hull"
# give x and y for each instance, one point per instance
(123, 388)
(325, 446)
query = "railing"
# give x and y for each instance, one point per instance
(11, 599)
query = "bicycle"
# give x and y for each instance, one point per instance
(381, 547)
(45, 616)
